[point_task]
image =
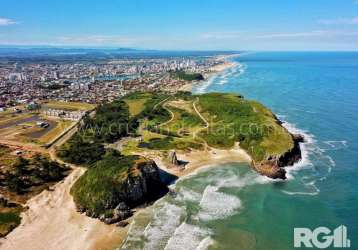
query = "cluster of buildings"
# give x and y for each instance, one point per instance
(63, 114)
(92, 83)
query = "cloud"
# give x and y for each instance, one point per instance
(349, 21)
(6, 21)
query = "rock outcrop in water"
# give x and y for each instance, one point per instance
(273, 166)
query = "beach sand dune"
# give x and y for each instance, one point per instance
(52, 222)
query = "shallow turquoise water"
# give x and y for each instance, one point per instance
(232, 207)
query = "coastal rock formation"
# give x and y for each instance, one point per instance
(139, 185)
(145, 186)
(173, 159)
(273, 166)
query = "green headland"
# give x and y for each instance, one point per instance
(119, 142)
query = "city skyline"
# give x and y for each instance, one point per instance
(182, 25)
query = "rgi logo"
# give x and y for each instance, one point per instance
(321, 237)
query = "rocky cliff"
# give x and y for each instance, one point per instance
(112, 197)
(273, 166)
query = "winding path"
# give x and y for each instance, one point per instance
(171, 113)
(199, 114)
(206, 124)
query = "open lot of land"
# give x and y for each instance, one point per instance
(24, 127)
(70, 106)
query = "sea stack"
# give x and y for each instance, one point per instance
(173, 159)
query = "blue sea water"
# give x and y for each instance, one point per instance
(232, 207)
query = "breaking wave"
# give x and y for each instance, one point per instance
(217, 205)
(189, 237)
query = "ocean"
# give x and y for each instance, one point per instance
(232, 207)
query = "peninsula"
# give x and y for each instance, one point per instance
(123, 144)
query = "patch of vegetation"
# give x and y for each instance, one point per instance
(78, 150)
(110, 123)
(185, 119)
(165, 143)
(9, 216)
(25, 174)
(153, 111)
(182, 75)
(55, 86)
(184, 95)
(169, 143)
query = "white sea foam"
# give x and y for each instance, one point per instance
(217, 205)
(205, 243)
(336, 145)
(306, 149)
(163, 225)
(310, 150)
(185, 194)
(188, 237)
(222, 78)
(234, 72)
(204, 85)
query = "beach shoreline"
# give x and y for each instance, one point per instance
(217, 69)
(52, 221)
(201, 158)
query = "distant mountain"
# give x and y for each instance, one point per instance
(38, 51)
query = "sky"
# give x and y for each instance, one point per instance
(182, 24)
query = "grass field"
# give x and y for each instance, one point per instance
(71, 106)
(135, 106)
(62, 125)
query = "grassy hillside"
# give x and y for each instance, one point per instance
(183, 121)
(234, 119)
(103, 182)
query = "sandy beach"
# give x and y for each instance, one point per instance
(198, 159)
(213, 70)
(52, 222)
(223, 66)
